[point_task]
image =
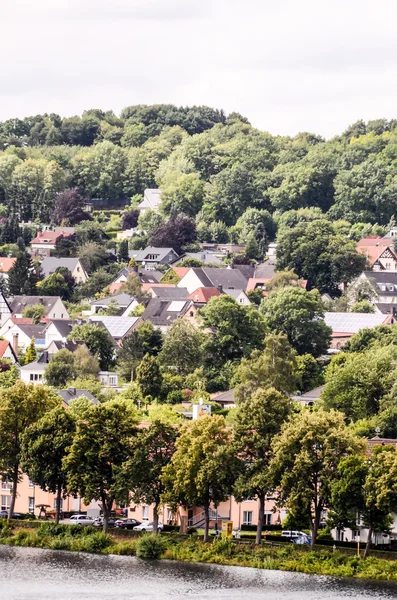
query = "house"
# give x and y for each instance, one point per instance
(255, 283)
(223, 249)
(5, 310)
(309, 398)
(150, 257)
(50, 264)
(53, 305)
(19, 333)
(109, 378)
(5, 266)
(45, 241)
(34, 371)
(145, 277)
(203, 295)
(57, 330)
(73, 393)
(163, 313)
(223, 279)
(383, 286)
(265, 270)
(379, 252)
(345, 325)
(225, 399)
(151, 200)
(118, 327)
(205, 257)
(168, 293)
(272, 250)
(123, 301)
(239, 296)
(7, 351)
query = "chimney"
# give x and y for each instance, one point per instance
(72, 391)
(15, 337)
(41, 300)
(220, 289)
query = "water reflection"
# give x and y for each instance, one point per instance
(27, 573)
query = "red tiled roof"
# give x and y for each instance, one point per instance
(203, 294)
(6, 264)
(114, 287)
(21, 321)
(181, 271)
(3, 347)
(50, 237)
(373, 246)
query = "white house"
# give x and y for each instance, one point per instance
(19, 333)
(151, 200)
(240, 297)
(53, 305)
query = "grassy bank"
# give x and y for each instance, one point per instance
(221, 551)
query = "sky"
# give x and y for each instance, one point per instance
(286, 65)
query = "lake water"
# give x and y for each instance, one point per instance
(34, 574)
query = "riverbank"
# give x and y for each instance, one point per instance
(221, 551)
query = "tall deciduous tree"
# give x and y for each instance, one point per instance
(299, 314)
(154, 449)
(307, 454)
(182, 349)
(203, 468)
(257, 421)
(149, 377)
(44, 446)
(69, 207)
(20, 406)
(103, 443)
(61, 369)
(97, 340)
(145, 339)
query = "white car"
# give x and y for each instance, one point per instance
(293, 534)
(80, 520)
(147, 526)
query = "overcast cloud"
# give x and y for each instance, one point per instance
(287, 65)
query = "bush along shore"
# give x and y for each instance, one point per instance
(191, 549)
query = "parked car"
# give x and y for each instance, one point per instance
(147, 526)
(4, 515)
(292, 534)
(81, 520)
(127, 523)
(98, 522)
(302, 539)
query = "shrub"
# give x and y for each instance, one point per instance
(125, 548)
(191, 530)
(52, 530)
(150, 546)
(96, 542)
(61, 543)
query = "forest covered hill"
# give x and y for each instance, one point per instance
(236, 182)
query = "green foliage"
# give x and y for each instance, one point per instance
(97, 340)
(61, 369)
(170, 277)
(183, 347)
(364, 306)
(150, 547)
(149, 377)
(35, 312)
(298, 314)
(9, 373)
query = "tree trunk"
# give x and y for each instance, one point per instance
(261, 519)
(107, 509)
(314, 525)
(368, 544)
(58, 508)
(14, 491)
(156, 518)
(207, 521)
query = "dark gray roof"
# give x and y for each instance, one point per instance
(310, 396)
(246, 270)
(386, 309)
(225, 397)
(50, 264)
(170, 293)
(385, 282)
(36, 331)
(165, 312)
(68, 345)
(150, 276)
(227, 278)
(63, 326)
(72, 393)
(142, 255)
(19, 303)
(123, 300)
(265, 270)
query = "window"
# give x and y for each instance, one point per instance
(60, 501)
(268, 519)
(5, 502)
(6, 485)
(78, 269)
(53, 315)
(112, 380)
(247, 517)
(31, 484)
(31, 504)
(241, 300)
(132, 509)
(62, 316)
(145, 512)
(31, 377)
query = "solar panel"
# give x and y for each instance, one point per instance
(117, 326)
(176, 306)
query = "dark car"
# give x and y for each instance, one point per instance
(127, 523)
(98, 522)
(4, 515)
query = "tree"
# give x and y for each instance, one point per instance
(103, 443)
(145, 339)
(357, 492)
(154, 450)
(362, 307)
(92, 255)
(20, 406)
(319, 254)
(132, 286)
(44, 446)
(257, 421)
(31, 353)
(9, 373)
(298, 314)
(148, 376)
(275, 367)
(203, 469)
(130, 219)
(85, 364)
(95, 284)
(69, 208)
(54, 285)
(21, 277)
(175, 233)
(35, 312)
(182, 193)
(122, 253)
(182, 349)
(307, 454)
(236, 330)
(61, 369)
(309, 372)
(97, 341)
